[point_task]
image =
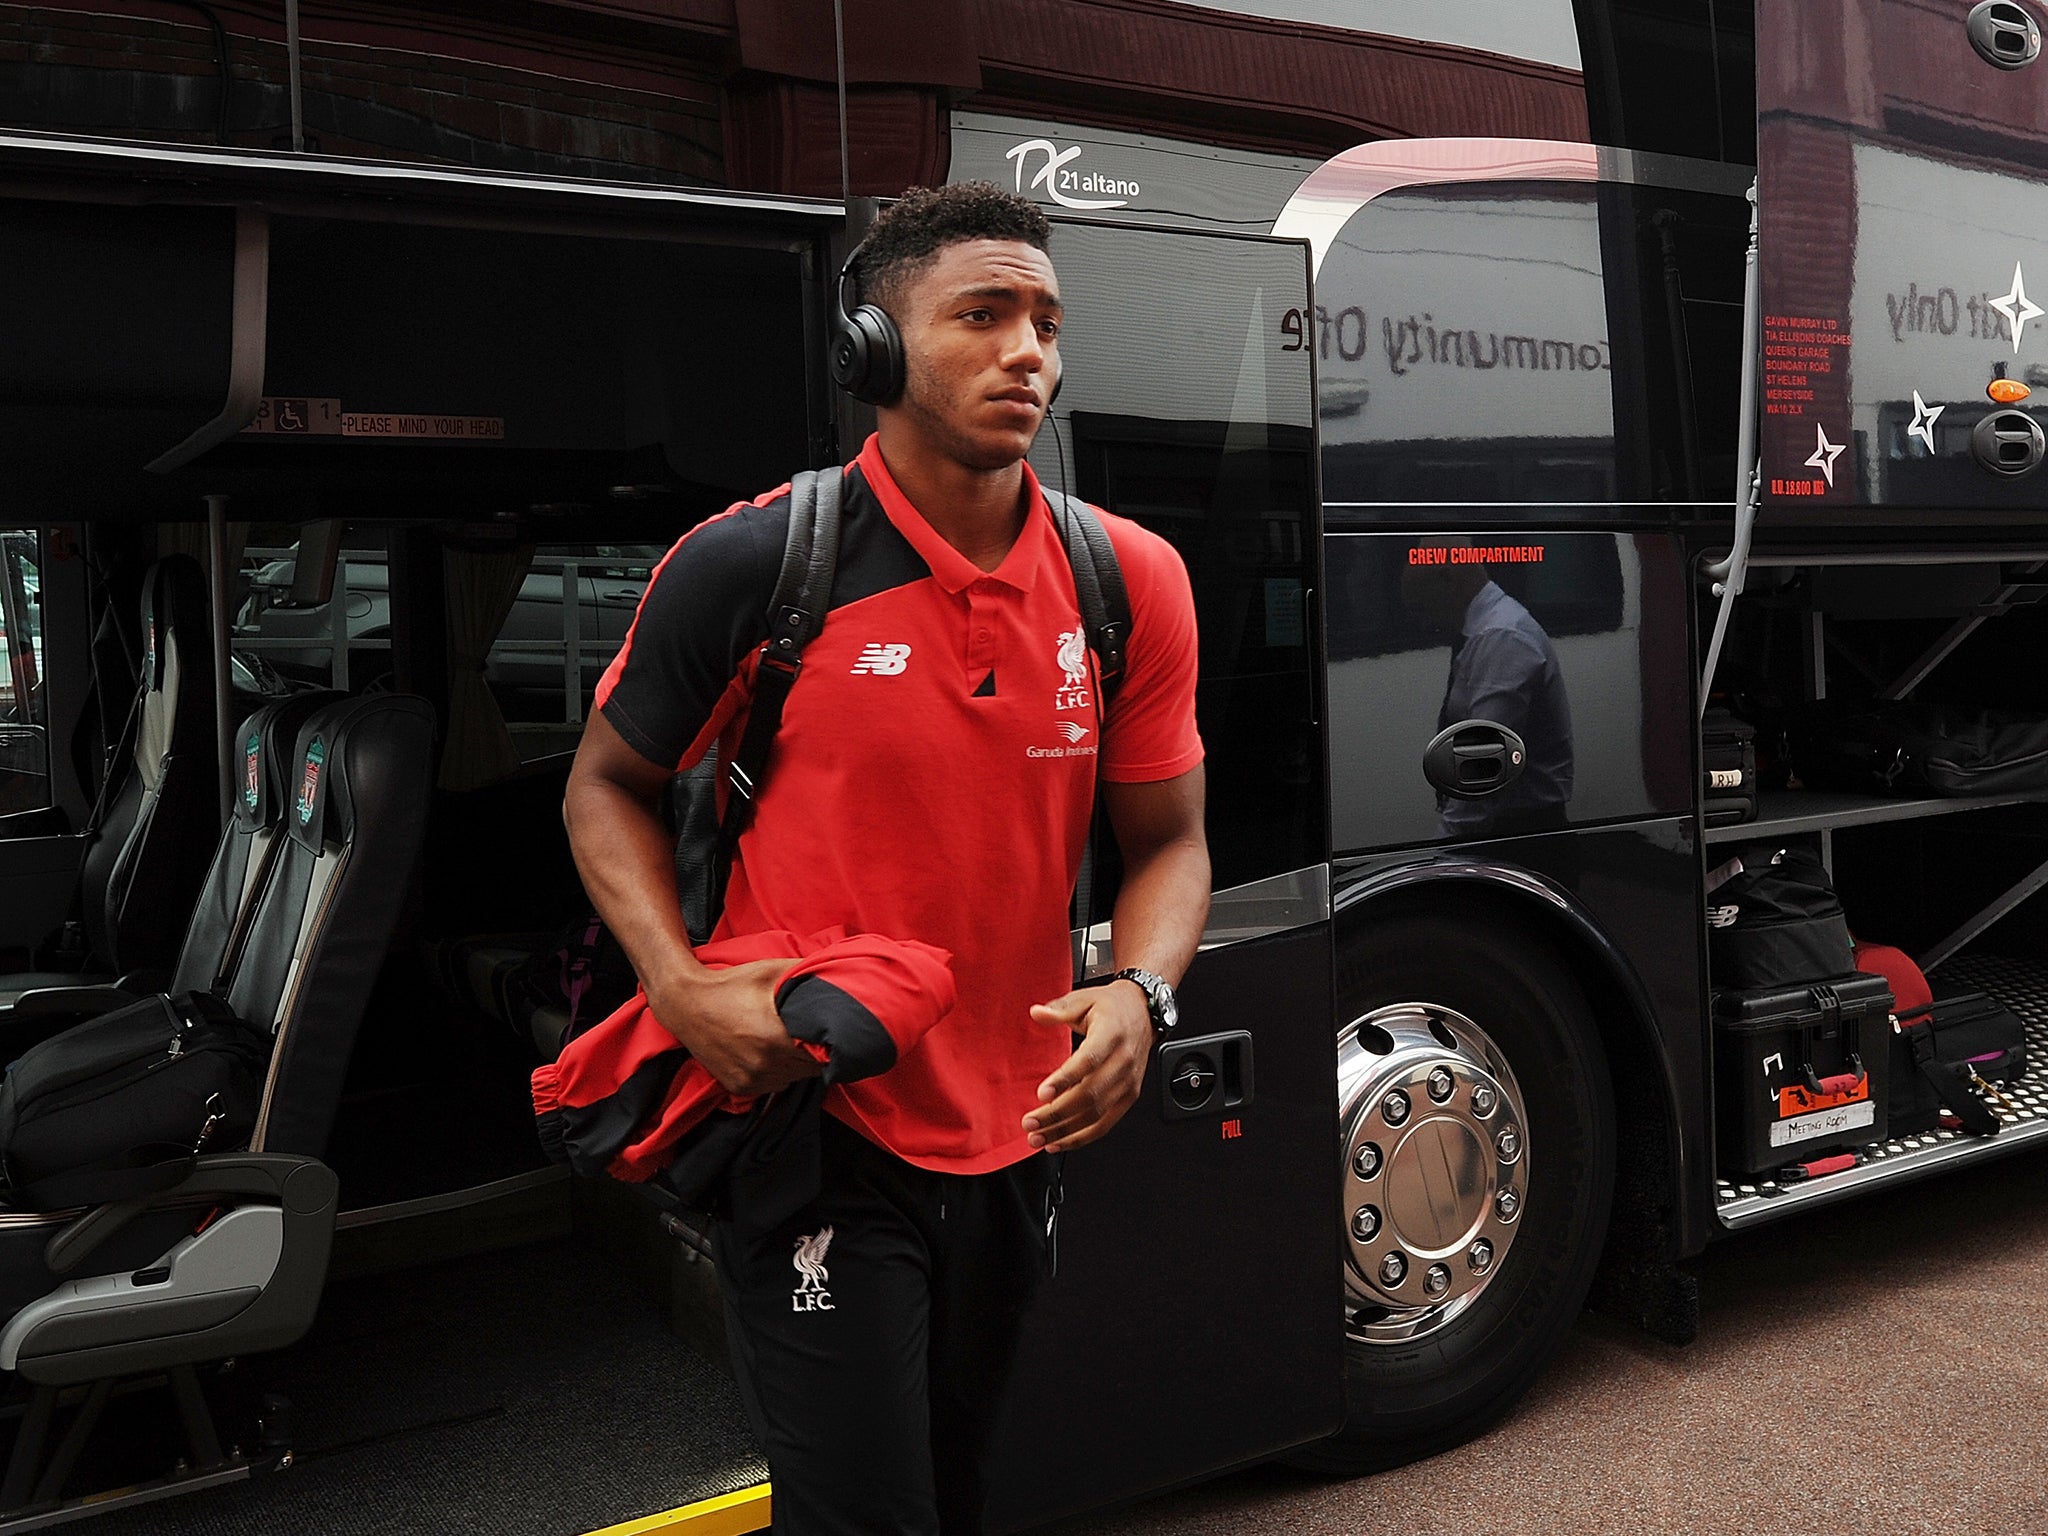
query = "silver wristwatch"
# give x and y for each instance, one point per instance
(1159, 999)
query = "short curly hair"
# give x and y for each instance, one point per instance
(908, 235)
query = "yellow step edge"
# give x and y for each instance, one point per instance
(730, 1514)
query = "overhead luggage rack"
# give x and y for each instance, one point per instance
(2022, 986)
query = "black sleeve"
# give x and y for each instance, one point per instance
(704, 611)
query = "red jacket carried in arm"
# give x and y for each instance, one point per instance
(625, 1100)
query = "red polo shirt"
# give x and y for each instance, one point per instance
(934, 773)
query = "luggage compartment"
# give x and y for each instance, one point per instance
(1839, 632)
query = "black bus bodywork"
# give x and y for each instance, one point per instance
(1505, 362)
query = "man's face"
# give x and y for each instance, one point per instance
(980, 329)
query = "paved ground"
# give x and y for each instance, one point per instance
(1877, 1368)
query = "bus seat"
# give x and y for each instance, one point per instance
(159, 809)
(143, 870)
(263, 776)
(317, 940)
(132, 1288)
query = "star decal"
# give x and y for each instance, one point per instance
(2017, 308)
(1924, 418)
(1825, 455)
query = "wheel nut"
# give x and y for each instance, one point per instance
(1436, 1281)
(1483, 1099)
(1507, 1205)
(1440, 1084)
(1365, 1162)
(1394, 1107)
(1365, 1221)
(1508, 1144)
(1479, 1256)
(1394, 1267)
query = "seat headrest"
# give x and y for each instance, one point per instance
(323, 806)
(267, 740)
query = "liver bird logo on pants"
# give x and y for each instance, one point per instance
(810, 1294)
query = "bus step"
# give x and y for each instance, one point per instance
(2022, 986)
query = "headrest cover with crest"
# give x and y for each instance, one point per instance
(253, 791)
(309, 803)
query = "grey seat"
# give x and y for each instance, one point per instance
(160, 807)
(218, 924)
(131, 1287)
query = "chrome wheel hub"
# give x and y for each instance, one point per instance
(1436, 1167)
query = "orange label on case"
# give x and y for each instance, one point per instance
(1801, 1100)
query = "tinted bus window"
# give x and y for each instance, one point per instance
(1463, 348)
(1186, 407)
(1531, 342)
(1675, 77)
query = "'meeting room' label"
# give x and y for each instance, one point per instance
(1844, 1117)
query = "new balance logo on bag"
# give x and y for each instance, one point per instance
(882, 660)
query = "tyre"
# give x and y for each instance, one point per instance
(1477, 1125)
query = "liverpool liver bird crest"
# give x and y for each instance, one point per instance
(810, 1260)
(1073, 657)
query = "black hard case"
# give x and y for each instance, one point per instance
(1773, 1047)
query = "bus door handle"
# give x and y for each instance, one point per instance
(1473, 759)
(1207, 1075)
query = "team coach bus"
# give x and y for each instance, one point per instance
(1522, 383)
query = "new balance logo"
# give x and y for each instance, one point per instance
(882, 660)
(1071, 731)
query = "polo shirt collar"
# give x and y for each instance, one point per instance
(950, 569)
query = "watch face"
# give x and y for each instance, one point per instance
(1159, 993)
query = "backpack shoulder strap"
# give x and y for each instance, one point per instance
(1098, 585)
(803, 596)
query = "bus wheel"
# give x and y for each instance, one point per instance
(1478, 1161)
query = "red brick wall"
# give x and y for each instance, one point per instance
(730, 91)
(374, 83)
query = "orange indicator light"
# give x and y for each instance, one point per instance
(2007, 391)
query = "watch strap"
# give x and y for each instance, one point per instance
(1152, 985)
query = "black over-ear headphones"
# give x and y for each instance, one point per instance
(867, 349)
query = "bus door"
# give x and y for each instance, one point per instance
(1193, 1322)
(118, 322)
(490, 362)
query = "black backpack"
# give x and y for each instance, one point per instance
(1777, 923)
(803, 596)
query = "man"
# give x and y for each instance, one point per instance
(931, 781)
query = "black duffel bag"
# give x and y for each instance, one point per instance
(1777, 922)
(116, 1108)
(1901, 747)
(1944, 1053)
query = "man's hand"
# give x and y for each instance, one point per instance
(1094, 1086)
(728, 1021)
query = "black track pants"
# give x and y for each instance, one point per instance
(871, 1335)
